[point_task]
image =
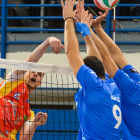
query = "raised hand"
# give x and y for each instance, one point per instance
(40, 119)
(96, 22)
(78, 11)
(85, 18)
(55, 44)
(68, 8)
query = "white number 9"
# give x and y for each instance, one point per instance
(118, 118)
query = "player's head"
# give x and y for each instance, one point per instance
(96, 65)
(33, 79)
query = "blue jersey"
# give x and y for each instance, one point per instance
(115, 92)
(125, 135)
(99, 113)
(130, 91)
(133, 73)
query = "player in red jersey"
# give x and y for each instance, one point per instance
(15, 111)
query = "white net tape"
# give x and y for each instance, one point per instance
(21, 65)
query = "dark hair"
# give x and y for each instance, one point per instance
(96, 65)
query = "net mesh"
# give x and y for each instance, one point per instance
(55, 97)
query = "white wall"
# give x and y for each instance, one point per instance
(61, 59)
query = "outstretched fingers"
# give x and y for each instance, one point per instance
(106, 13)
(82, 4)
(75, 12)
(74, 1)
(66, 2)
(62, 46)
(62, 3)
(103, 15)
(82, 15)
(91, 16)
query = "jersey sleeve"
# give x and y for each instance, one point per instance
(12, 76)
(11, 81)
(124, 82)
(87, 78)
(107, 76)
(30, 120)
(133, 73)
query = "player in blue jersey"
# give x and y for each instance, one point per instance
(109, 81)
(115, 92)
(126, 80)
(99, 114)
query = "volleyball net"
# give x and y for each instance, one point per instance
(55, 97)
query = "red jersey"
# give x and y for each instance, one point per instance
(14, 105)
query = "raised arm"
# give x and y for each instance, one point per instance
(70, 39)
(28, 129)
(108, 62)
(90, 44)
(40, 50)
(113, 49)
(91, 47)
(91, 41)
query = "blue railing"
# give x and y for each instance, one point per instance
(4, 25)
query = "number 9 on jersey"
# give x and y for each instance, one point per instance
(117, 116)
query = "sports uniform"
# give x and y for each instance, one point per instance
(99, 110)
(127, 81)
(3, 138)
(126, 135)
(14, 105)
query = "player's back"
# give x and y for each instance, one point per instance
(99, 112)
(126, 135)
(130, 91)
(131, 110)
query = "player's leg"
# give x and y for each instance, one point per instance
(114, 50)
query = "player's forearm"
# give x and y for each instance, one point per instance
(35, 55)
(38, 52)
(113, 49)
(109, 64)
(91, 47)
(97, 42)
(72, 46)
(70, 38)
(28, 134)
(101, 47)
(111, 46)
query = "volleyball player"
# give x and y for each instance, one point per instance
(14, 97)
(126, 80)
(97, 110)
(109, 81)
(90, 52)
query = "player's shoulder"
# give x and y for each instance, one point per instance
(86, 68)
(120, 74)
(130, 68)
(86, 73)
